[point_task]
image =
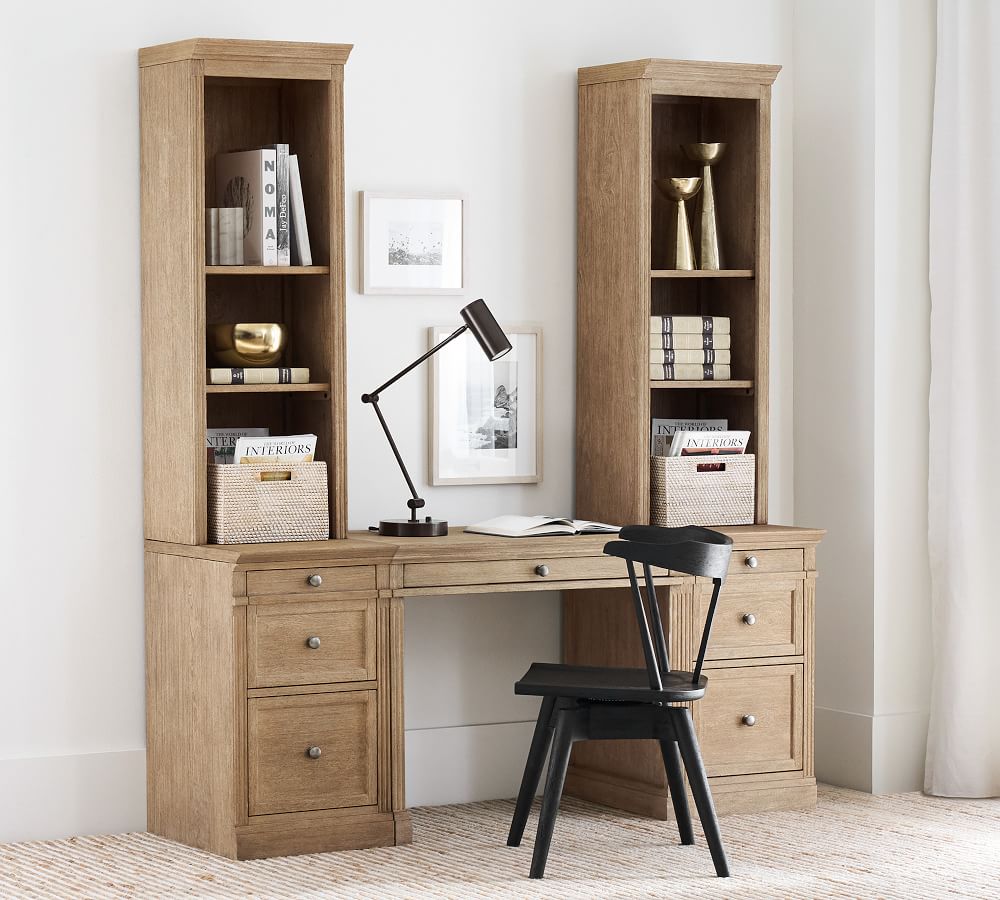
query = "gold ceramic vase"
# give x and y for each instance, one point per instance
(708, 232)
(247, 344)
(680, 245)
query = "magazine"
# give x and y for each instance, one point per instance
(533, 526)
(285, 449)
(221, 442)
(713, 443)
(662, 431)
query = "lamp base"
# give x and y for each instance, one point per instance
(405, 528)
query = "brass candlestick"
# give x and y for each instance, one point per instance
(708, 155)
(680, 246)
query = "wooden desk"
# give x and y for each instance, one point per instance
(236, 695)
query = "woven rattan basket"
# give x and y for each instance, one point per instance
(244, 509)
(692, 490)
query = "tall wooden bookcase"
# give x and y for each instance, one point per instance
(199, 98)
(756, 722)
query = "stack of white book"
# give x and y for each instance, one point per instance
(689, 348)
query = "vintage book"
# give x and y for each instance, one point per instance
(212, 236)
(230, 240)
(221, 442)
(533, 526)
(265, 375)
(689, 324)
(710, 341)
(709, 443)
(678, 357)
(288, 448)
(665, 372)
(247, 179)
(301, 251)
(282, 203)
(662, 431)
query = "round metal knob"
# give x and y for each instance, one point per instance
(750, 619)
(751, 562)
(314, 753)
(317, 580)
(749, 721)
(541, 571)
(313, 643)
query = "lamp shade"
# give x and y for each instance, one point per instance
(490, 335)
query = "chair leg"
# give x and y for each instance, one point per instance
(558, 763)
(675, 782)
(532, 771)
(698, 780)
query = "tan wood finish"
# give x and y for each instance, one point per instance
(279, 652)
(542, 570)
(283, 777)
(245, 52)
(695, 72)
(754, 563)
(296, 581)
(756, 617)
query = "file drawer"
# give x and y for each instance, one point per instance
(756, 617)
(315, 751)
(311, 643)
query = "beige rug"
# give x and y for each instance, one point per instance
(853, 845)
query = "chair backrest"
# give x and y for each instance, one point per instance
(689, 549)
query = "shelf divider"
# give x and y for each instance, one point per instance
(312, 387)
(701, 273)
(267, 270)
(738, 384)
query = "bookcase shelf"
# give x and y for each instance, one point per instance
(313, 387)
(740, 384)
(701, 273)
(267, 270)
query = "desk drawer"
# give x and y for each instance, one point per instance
(765, 562)
(772, 695)
(310, 643)
(756, 617)
(510, 571)
(281, 730)
(297, 581)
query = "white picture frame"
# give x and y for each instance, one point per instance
(465, 426)
(412, 244)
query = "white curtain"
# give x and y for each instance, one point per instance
(963, 747)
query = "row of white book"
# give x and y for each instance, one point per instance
(689, 348)
(266, 186)
(696, 437)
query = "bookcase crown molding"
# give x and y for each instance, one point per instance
(245, 51)
(680, 70)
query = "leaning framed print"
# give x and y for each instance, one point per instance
(486, 417)
(412, 243)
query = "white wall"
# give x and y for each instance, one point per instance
(440, 95)
(863, 93)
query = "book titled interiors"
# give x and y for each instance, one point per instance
(221, 442)
(662, 431)
(709, 443)
(535, 526)
(286, 449)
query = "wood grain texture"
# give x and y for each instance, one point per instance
(283, 778)
(397, 760)
(245, 51)
(278, 653)
(271, 271)
(507, 571)
(173, 302)
(685, 70)
(763, 287)
(190, 699)
(240, 795)
(774, 609)
(296, 581)
(266, 838)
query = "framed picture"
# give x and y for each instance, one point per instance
(412, 243)
(486, 417)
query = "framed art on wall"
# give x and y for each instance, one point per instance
(412, 243)
(486, 417)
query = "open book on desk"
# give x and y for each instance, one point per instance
(535, 526)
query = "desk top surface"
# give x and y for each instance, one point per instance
(456, 546)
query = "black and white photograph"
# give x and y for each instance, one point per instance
(486, 416)
(412, 243)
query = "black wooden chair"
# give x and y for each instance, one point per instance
(587, 703)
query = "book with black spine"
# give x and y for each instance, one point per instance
(301, 251)
(689, 324)
(262, 375)
(692, 341)
(666, 372)
(695, 357)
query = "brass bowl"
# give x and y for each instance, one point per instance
(708, 154)
(247, 343)
(678, 189)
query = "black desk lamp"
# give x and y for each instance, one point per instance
(479, 320)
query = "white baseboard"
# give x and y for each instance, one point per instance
(844, 749)
(899, 748)
(51, 797)
(465, 763)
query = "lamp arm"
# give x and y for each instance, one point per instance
(416, 502)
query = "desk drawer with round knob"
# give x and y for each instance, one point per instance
(765, 562)
(756, 617)
(315, 580)
(316, 642)
(752, 720)
(315, 751)
(513, 571)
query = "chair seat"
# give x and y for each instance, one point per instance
(602, 683)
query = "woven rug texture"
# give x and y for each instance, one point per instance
(852, 845)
